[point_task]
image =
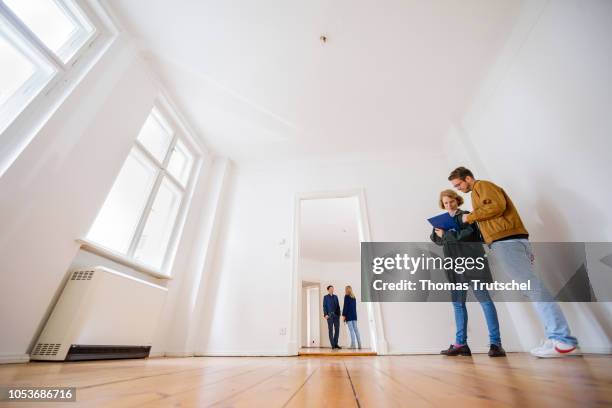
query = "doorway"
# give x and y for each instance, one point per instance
(328, 231)
(311, 327)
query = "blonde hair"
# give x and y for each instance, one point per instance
(349, 291)
(450, 194)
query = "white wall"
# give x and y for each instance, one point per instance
(53, 191)
(177, 331)
(540, 127)
(250, 292)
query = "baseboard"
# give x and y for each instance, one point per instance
(178, 354)
(243, 354)
(596, 349)
(484, 350)
(24, 358)
(415, 351)
(14, 358)
(382, 347)
(292, 348)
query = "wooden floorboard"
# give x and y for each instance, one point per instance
(338, 381)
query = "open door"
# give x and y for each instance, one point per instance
(328, 236)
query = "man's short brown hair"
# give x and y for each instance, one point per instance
(460, 173)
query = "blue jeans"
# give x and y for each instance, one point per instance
(515, 256)
(461, 315)
(354, 333)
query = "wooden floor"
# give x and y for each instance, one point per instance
(327, 351)
(384, 381)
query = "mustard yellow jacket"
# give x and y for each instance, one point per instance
(494, 212)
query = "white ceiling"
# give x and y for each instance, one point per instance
(329, 230)
(255, 81)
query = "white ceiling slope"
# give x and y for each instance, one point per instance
(254, 79)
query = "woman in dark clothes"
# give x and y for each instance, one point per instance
(454, 245)
(349, 315)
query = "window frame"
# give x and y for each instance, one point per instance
(73, 10)
(23, 121)
(29, 89)
(168, 118)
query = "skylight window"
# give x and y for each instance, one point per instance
(60, 26)
(45, 45)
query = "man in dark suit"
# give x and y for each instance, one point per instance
(331, 312)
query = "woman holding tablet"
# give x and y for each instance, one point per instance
(455, 244)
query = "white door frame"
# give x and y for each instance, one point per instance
(377, 334)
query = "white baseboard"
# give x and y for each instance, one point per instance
(382, 347)
(484, 350)
(292, 348)
(157, 354)
(403, 352)
(243, 354)
(596, 349)
(179, 354)
(415, 351)
(14, 358)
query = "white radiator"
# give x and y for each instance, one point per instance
(101, 314)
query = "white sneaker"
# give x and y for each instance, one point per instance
(553, 348)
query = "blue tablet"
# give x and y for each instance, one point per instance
(444, 221)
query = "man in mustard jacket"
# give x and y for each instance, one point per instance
(503, 230)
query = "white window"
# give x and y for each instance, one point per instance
(60, 25)
(140, 216)
(40, 42)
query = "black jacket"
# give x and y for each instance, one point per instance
(349, 309)
(466, 242)
(331, 305)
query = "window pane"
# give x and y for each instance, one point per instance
(155, 137)
(116, 222)
(156, 234)
(53, 25)
(15, 69)
(22, 74)
(180, 163)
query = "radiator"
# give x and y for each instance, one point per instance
(101, 314)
